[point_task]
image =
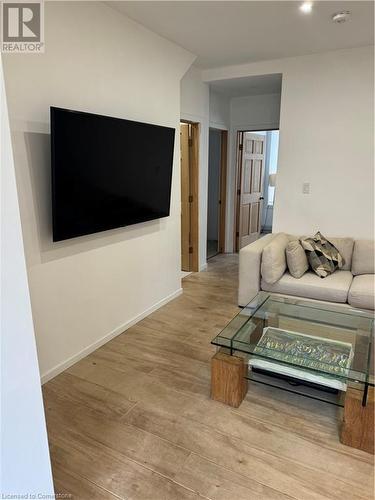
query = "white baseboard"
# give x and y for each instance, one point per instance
(203, 267)
(53, 372)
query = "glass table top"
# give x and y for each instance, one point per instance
(323, 339)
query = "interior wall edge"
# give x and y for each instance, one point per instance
(25, 460)
(136, 266)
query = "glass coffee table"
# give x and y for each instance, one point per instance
(314, 349)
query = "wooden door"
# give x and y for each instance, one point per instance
(252, 158)
(185, 197)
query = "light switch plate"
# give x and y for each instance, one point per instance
(306, 188)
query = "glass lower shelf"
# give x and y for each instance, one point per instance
(295, 386)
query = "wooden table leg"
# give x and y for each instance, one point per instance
(228, 382)
(357, 428)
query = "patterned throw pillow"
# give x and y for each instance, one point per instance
(323, 256)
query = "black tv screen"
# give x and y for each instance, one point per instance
(107, 172)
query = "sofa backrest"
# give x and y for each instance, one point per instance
(359, 255)
(344, 246)
(363, 257)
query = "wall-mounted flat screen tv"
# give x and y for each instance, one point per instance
(107, 172)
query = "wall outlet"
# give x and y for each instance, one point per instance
(306, 188)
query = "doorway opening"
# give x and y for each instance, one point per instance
(217, 185)
(189, 151)
(257, 156)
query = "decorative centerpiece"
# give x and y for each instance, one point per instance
(324, 361)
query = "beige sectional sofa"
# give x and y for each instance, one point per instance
(353, 284)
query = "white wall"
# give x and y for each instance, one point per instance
(326, 138)
(25, 464)
(219, 110)
(258, 112)
(195, 108)
(85, 290)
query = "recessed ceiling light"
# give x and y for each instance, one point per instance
(341, 17)
(306, 7)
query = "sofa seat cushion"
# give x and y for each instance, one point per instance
(333, 288)
(362, 292)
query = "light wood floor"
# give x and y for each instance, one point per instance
(134, 419)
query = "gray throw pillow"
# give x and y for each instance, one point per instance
(296, 259)
(323, 256)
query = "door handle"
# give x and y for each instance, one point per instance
(261, 198)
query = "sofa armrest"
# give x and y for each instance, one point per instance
(249, 269)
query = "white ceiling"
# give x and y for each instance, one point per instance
(249, 85)
(230, 32)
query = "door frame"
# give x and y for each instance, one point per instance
(194, 133)
(223, 189)
(223, 169)
(237, 182)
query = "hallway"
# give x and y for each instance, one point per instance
(134, 419)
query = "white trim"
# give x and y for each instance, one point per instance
(203, 268)
(53, 372)
(218, 126)
(192, 118)
(259, 127)
(185, 274)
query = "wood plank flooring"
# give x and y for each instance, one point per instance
(134, 419)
